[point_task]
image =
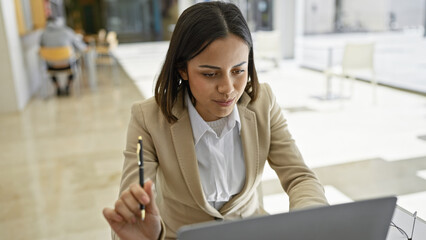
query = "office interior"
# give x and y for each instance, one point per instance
(61, 157)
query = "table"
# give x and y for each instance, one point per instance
(329, 60)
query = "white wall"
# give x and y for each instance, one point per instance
(367, 14)
(7, 86)
(319, 16)
(14, 87)
(361, 15)
(285, 23)
(33, 64)
(184, 4)
(408, 13)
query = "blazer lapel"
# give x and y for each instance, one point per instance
(250, 144)
(184, 146)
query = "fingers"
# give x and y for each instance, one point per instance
(128, 203)
(152, 206)
(124, 211)
(111, 215)
(127, 207)
(139, 194)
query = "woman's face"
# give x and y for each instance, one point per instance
(218, 76)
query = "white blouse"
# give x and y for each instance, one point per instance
(220, 155)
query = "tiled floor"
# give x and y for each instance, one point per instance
(62, 157)
(61, 161)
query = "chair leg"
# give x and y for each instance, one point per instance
(46, 86)
(328, 87)
(77, 79)
(352, 87)
(277, 62)
(90, 67)
(114, 67)
(374, 88)
(342, 80)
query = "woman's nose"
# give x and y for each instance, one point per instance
(226, 85)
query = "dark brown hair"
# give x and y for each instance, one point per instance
(197, 27)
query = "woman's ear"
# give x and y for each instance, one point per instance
(183, 74)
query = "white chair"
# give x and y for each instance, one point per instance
(62, 57)
(105, 56)
(267, 46)
(101, 37)
(104, 50)
(357, 62)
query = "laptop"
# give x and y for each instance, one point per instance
(366, 220)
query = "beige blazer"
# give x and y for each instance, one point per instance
(170, 161)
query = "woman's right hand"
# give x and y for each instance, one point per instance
(126, 219)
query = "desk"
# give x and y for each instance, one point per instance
(404, 219)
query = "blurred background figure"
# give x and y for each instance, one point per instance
(57, 34)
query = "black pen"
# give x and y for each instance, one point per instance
(141, 180)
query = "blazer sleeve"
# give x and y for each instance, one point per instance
(298, 181)
(137, 127)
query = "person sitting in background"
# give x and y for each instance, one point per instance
(57, 34)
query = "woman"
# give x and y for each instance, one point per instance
(207, 134)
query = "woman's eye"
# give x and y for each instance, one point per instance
(238, 71)
(209, 74)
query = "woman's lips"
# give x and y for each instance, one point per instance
(225, 103)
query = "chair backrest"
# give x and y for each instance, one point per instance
(267, 42)
(112, 40)
(358, 56)
(56, 54)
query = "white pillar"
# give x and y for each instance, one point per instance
(14, 87)
(285, 23)
(424, 25)
(184, 4)
(300, 18)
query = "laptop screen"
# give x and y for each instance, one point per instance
(366, 220)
